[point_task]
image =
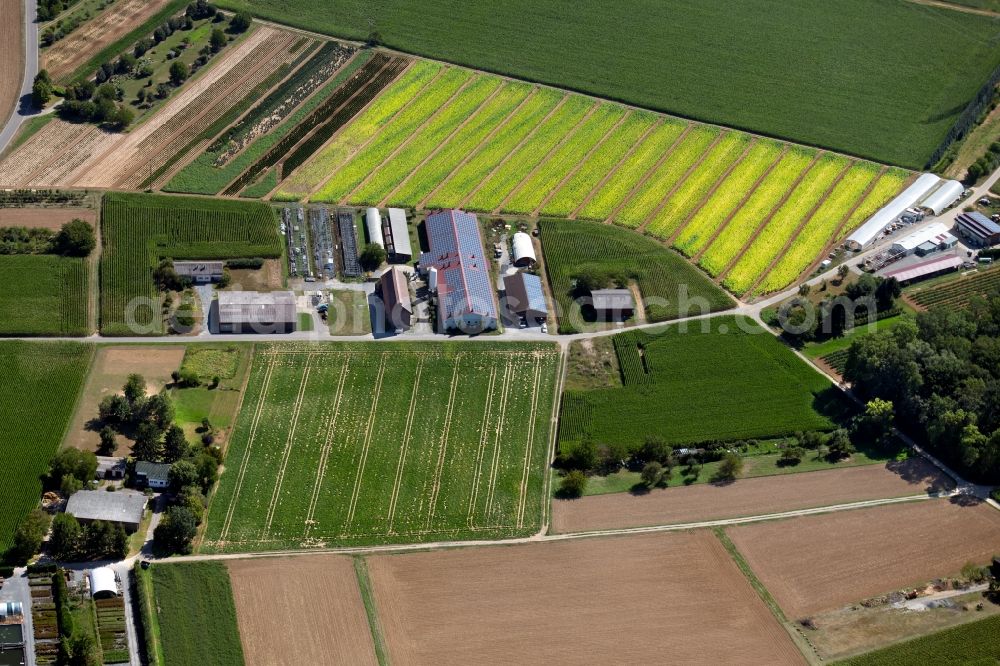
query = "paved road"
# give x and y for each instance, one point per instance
(16, 588)
(24, 108)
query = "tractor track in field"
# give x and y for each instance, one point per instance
(405, 445)
(481, 451)
(289, 442)
(324, 454)
(449, 413)
(359, 477)
(508, 379)
(525, 472)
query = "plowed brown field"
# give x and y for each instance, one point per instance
(747, 497)
(675, 598)
(818, 563)
(11, 55)
(107, 27)
(44, 218)
(303, 610)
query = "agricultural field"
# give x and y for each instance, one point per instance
(972, 643)
(11, 56)
(139, 230)
(756, 495)
(956, 293)
(717, 379)
(44, 294)
(39, 387)
(865, 552)
(316, 460)
(558, 602)
(574, 247)
(194, 608)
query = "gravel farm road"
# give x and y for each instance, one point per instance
(24, 108)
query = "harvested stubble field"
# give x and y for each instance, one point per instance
(563, 603)
(347, 444)
(65, 149)
(818, 563)
(747, 497)
(314, 611)
(11, 55)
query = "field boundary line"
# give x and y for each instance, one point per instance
(367, 595)
(552, 437)
(649, 174)
(481, 451)
(711, 191)
(407, 431)
(576, 169)
(799, 227)
(680, 181)
(746, 197)
(444, 142)
(411, 136)
(289, 442)
(324, 455)
(479, 147)
(527, 137)
(449, 412)
(767, 218)
(377, 392)
(618, 165)
(523, 494)
(548, 156)
(508, 379)
(367, 142)
(246, 456)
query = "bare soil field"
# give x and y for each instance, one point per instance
(11, 55)
(44, 218)
(824, 562)
(303, 610)
(64, 147)
(110, 369)
(747, 497)
(107, 27)
(613, 600)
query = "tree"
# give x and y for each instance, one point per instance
(76, 238)
(876, 421)
(372, 256)
(573, 484)
(28, 538)
(730, 468)
(840, 445)
(842, 271)
(240, 23)
(41, 93)
(108, 442)
(183, 473)
(135, 391)
(176, 530)
(192, 499)
(582, 456)
(160, 410)
(121, 118)
(175, 444)
(74, 465)
(208, 470)
(656, 449)
(104, 540)
(651, 474)
(114, 409)
(179, 72)
(217, 40)
(792, 455)
(147, 445)
(67, 538)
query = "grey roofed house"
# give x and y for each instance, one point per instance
(525, 295)
(124, 507)
(396, 298)
(152, 475)
(200, 271)
(256, 312)
(399, 247)
(109, 468)
(612, 300)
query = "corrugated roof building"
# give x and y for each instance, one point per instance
(524, 250)
(525, 296)
(466, 298)
(978, 229)
(869, 231)
(398, 246)
(256, 312)
(199, 272)
(612, 304)
(936, 234)
(123, 507)
(925, 269)
(398, 308)
(947, 193)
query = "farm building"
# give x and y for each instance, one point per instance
(978, 229)
(524, 251)
(373, 223)
(103, 583)
(109, 468)
(864, 235)
(941, 198)
(396, 303)
(10, 609)
(152, 475)
(525, 296)
(465, 294)
(925, 269)
(256, 312)
(398, 246)
(931, 238)
(612, 304)
(123, 507)
(199, 272)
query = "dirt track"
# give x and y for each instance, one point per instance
(11, 55)
(44, 218)
(677, 598)
(306, 610)
(64, 56)
(746, 497)
(819, 563)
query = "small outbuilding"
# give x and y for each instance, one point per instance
(396, 302)
(398, 247)
(525, 296)
(373, 223)
(103, 583)
(524, 250)
(109, 468)
(152, 475)
(977, 229)
(124, 507)
(612, 304)
(931, 238)
(256, 312)
(199, 272)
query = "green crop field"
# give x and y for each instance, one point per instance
(574, 247)
(888, 185)
(345, 444)
(39, 385)
(141, 229)
(956, 293)
(972, 644)
(43, 294)
(196, 614)
(715, 379)
(841, 75)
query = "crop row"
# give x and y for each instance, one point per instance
(669, 173)
(727, 197)
(695, 187)
(43, 295)
(957, 294)
(888, 185)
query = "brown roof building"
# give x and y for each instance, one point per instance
(398, 308)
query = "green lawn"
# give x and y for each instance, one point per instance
(973, 644)
(43, 294)
(348, 313)
(820, 349)
(196, 614)
(843, 75)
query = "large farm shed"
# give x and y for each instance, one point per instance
(465, 295)
(123, 507)
(524, 250)
(926, 269)
(941, 198)
(932, 237)
(396, 302)
(373, 223)
(525, 296)
(398, 239)
(978, 229)
(864, 235)
(612, 304)
(255, 312)
(199, 272)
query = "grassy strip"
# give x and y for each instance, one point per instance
(262, 187)
(150, 625)
(368, 597)
(755, 583)
(111, 50)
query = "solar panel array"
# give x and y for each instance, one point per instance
(536, 297)
(457, 251)
(349, 244)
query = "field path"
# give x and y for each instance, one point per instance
(526, 471)
(956, 7)
(324, 454)
(377, 393)
(404, 445)
(289, 442)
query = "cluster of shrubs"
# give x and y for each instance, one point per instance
(49, 9)
(985, 165)
(87, 102)
(64, 26)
